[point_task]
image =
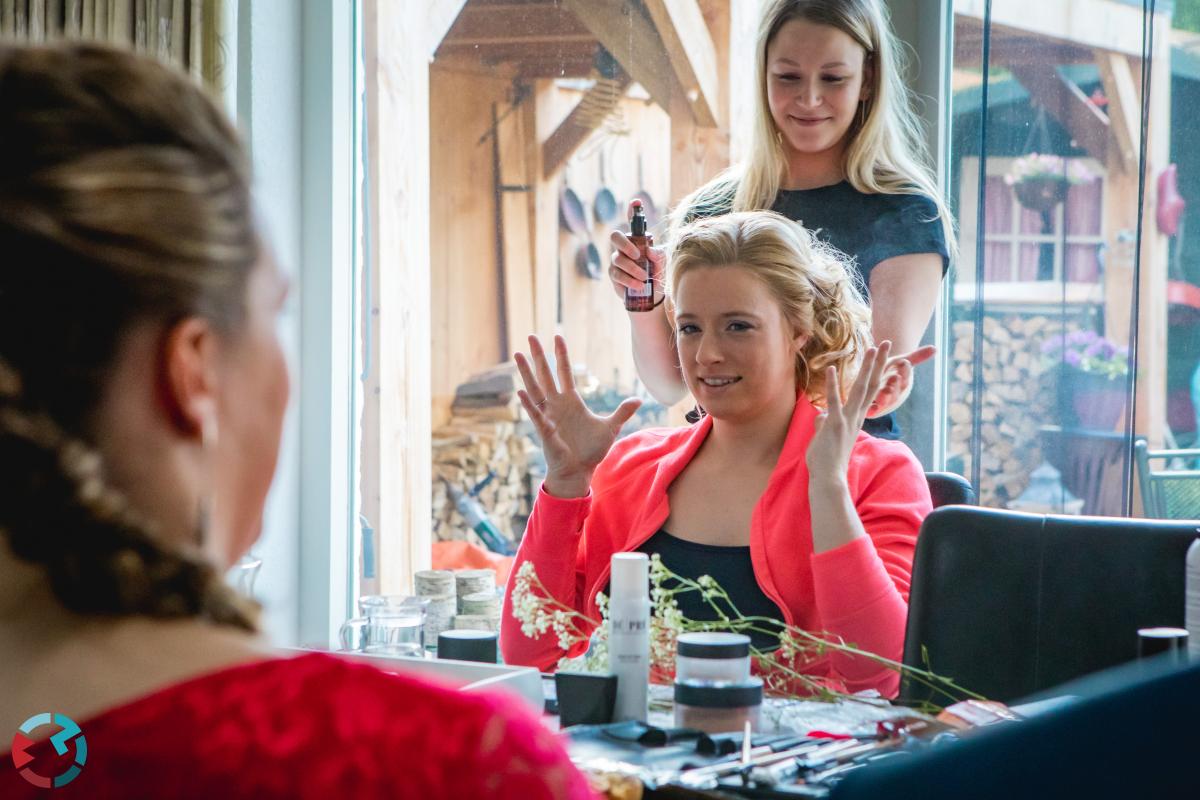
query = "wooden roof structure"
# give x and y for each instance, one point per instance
(663, 45)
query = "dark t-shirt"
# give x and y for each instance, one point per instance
(870, 228)
(732, 569)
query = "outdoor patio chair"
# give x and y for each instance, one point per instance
(1008, 603)
(1172, 492)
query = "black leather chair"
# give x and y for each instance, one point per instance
(1008, 604)
(950, 489)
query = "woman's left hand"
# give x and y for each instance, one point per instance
(897, 380)
(837, 428)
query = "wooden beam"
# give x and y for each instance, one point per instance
(693, 56)
(397, 452)
(629, 35)
(478, 21)
(483, 41)
(516, 233)
(543, 209)
(1066, 103)
(1151, 385)
(1124, 110)
(1108, 24)
(580, 123)
(1120, 228)
(521, 52)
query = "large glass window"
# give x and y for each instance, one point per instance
(1068, 325)
(1064, 343)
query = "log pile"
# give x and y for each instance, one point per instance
(487, 447)
(1015, 401)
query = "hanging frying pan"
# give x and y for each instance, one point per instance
(571, 215)
(605, 204)
(587, 261)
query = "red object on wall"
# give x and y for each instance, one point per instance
(1170, 203)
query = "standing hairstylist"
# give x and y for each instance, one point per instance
(836, 147)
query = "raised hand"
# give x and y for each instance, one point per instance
(836, 428)
(897, 380)
(574, 439)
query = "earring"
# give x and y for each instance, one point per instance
(862, 113)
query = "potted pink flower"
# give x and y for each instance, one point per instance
(1041, 180)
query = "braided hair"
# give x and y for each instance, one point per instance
(124, 200)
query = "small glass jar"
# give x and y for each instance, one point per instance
(718, 706)
(712, 656)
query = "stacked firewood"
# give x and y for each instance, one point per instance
(484, 451)
(1014, 401)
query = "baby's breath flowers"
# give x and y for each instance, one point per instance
(782, 667)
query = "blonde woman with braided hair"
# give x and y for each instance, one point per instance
(777, 492)
(142, 395)
(835, 145)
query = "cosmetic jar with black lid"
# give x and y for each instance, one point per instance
(718, 706)
(712, 656)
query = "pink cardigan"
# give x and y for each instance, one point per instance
(858, 591)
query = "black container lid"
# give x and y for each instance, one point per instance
(712, 645)
(719, 694)
(637, 224)
(468, 645)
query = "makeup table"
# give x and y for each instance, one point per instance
(819, 741)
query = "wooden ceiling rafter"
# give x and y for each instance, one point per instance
(1064, 101)
(693, 56)
(1124, 107)
(625, 31)
(580, 124)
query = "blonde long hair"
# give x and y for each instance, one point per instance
(885, 152)
(819, 293)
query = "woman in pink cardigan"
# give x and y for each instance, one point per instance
(776, 492)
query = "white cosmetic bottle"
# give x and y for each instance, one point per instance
(629, 634)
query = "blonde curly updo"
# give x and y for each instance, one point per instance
(817, 289)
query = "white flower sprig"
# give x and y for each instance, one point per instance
(781, 668)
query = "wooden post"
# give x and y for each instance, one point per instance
(1151, 386)
(698, 154)
(543, 208)
(737, 67)
(396, 422)
(685, 35)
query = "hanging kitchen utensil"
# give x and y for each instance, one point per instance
(571, 214)
(605, 205)
(648, 206)
(588, 262)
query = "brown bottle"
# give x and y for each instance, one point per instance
(641, 299)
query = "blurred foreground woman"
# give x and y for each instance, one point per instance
(142, 394)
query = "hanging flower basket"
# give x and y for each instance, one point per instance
(1041, 193)
(1040, 181)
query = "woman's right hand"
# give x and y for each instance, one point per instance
(624, 271)
(574, 439)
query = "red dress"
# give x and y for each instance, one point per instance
(314, 726)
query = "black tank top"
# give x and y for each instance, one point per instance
(730, 567)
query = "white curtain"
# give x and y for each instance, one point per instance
(187, 33)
